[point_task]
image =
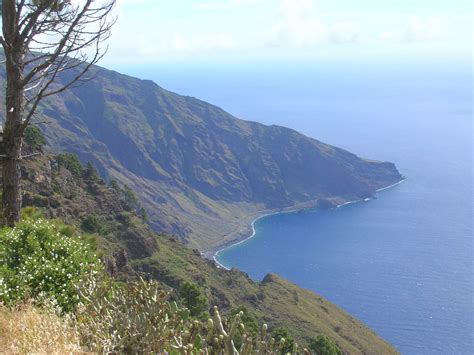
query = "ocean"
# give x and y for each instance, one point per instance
(402, 262)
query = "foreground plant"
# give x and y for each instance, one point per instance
(43, 260)
(44, 266)
(139, 318)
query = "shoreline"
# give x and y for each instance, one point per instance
(254, 232)
(215, 255)
(390, 186)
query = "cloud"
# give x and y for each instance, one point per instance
(150, 41)
(299, 24)
(135, 2)
(228, 4)
(160, 29)
(416, 30)
(179, 42)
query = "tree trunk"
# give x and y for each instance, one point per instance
(11, 180)
(12, 139)
(12, 143)
(13, 127)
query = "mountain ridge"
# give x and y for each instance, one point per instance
(200, 172)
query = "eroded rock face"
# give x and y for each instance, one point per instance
(118, 263)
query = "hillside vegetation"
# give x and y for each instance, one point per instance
(61, 188)
(51, 284)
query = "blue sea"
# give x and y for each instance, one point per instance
(402, 262)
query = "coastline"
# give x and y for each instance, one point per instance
(393, 185)
(254, 232)
(294, 209)
(239, 240)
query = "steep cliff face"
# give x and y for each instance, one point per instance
(198, 170)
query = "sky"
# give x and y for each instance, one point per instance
(150, 31)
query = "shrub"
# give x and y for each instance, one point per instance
(193, 298)
(322, 345)
(114, 185)
(90, 173)
(139, 318)
(34, 139)
(287, 342)
(131, 318)
(38, 260)
(249, 320)
(125, 218)
(70, 162)
(31, 213)
(91, 224)
(143, 214)
(130, 198)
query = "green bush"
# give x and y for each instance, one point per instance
(193, 298)
(249, 320)
(90, 173)
(70, 162)
(143, 214)
(114, 185)
(288, 343)
(322, 345)
(34, 138)
(40, 260)
(91, 224)
(130, 198)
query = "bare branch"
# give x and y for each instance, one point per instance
(58, 37)
(30, 155)
(43, 39)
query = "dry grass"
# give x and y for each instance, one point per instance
(27, 329)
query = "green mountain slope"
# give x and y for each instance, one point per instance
(130, 247)
(202, 174)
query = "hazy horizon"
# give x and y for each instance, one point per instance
(245, 31)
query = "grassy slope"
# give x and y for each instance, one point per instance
(131, 247)
(23, 330)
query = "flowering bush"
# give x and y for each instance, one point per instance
(40, 260)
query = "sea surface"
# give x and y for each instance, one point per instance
(402, 262)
